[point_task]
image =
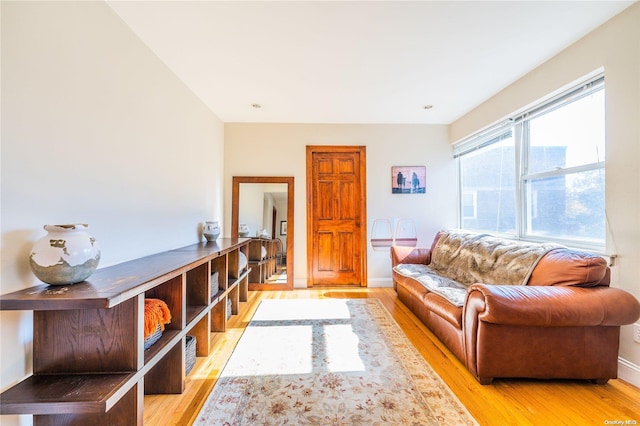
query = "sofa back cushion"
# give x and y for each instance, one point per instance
(469, 258)
(564, 266)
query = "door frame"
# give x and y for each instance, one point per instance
(362, 151)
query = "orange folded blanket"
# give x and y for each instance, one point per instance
(156, 312)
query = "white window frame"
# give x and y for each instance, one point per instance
(519, 126)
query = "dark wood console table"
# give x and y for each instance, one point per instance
(89, 362)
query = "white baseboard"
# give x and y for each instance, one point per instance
(629, 372)
(379, 282)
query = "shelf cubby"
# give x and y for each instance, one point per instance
(219, 265)
(167, 375)
(262, 259)
(171, 292)
(197, 294)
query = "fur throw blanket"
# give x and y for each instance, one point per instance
(478, 258)
(156, 313)
(451, 290)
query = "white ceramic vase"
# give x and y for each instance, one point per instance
(211, 230)
(66, 255)
(243, 230)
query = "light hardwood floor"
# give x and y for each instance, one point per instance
(505, 402)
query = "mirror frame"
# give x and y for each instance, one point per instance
(235, 205)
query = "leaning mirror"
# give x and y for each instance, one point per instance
(262, 209)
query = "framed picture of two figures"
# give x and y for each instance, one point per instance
(408, 179)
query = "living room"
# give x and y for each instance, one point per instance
(98, 130)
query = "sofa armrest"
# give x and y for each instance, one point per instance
(415, 255)
(550, 306)
(500, 322)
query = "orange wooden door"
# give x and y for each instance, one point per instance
(336, 216)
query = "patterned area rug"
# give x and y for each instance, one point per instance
(328, 362)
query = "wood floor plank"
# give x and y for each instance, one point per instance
(505, 402)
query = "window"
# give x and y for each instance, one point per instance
(541, 174)
(470, 205)
(488, 176)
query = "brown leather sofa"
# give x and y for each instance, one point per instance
(562, 323)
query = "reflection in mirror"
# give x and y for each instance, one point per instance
(258, 203)
(262, 214)
(262, 209)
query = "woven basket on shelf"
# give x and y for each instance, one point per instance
(215, 287)
(189, 353)
(153, 338)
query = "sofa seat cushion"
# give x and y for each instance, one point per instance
(451, 290)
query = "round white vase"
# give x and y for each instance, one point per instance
(66, 255)
(211, 230)
(243, 230)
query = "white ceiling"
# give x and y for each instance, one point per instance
(356, 61)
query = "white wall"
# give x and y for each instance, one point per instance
(280, 150)
(281, 215)
(255, 206)
(251, 211)
(95, 129)
(616, 47)
(268, 205)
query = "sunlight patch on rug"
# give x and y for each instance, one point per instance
(328, 362)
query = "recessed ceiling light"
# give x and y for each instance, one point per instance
(427, 106)
(256, 106)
